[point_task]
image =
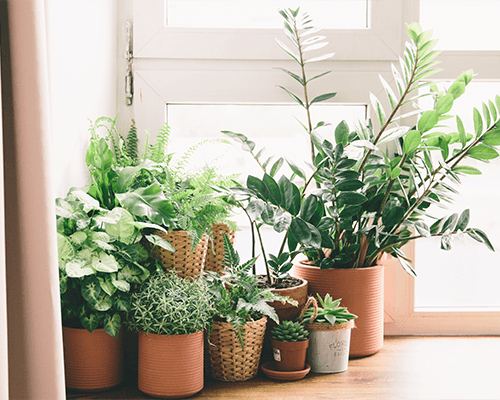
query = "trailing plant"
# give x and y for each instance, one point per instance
(238, 299)
(290, 331)
(377, 182)
(167, 304)
(328, 312)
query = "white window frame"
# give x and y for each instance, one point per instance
(180, 66)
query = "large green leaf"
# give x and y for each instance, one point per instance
(65, 249)
(161, 242)
(351, 198)
(482, 152)
(112, 324)
(305, 233)
(105, 263)
(309, 207)
(273, 189)
(255, 184)
(77, 268)
(90, 322)
(124, 229)
(427, 121)
(91, 289)
(411, 141)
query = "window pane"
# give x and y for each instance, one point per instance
(462, 24)
(465, 277)
(339, 14)
(274, 127)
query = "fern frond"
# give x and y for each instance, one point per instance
(132, 141)
(231, 258)
(159, 150)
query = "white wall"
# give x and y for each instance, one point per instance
(82, 54)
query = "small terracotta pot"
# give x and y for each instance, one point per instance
(287, 311)
(171, 366)
(93, 361)
(290, 356)
(215, 250)
(362, 292)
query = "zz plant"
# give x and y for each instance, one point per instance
(376, 183)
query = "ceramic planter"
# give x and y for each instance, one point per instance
(187, 263)
(362, 291)
(287, 311)
(328, 352)
(215, 249)
(289, 356)
(228, 360)
(170, 366)
(93, 361)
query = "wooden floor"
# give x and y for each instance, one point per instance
(437, 368)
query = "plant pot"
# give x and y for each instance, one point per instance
(215, 250)
(287, 311)
(170, 366)
(187, 263)
(93, 361)
(328, 352)
(362, 291)
(228, 360)
(289, 356)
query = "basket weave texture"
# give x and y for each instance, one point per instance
(215, 252)
(185, 262)
(229, 361)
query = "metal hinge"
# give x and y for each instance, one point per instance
(129, 56)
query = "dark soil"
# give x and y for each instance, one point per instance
(284, 283)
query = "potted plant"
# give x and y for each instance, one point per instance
(290, 340)
(374, 187)
(170, 313)
(241, 311)
(330, 330)
(193, 208)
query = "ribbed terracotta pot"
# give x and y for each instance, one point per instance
(215, 250)
(289, 356)
(187, 263)
(362, 292)
(170, 366)
(93, 361)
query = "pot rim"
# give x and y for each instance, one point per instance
(300, 264)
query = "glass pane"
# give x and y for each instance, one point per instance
(465, 278)
(338, 14)
(274, 127)
(462, 24)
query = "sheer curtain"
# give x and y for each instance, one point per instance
(31, 357)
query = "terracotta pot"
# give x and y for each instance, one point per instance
(289, 356)
(170, 366)
(215, 250)
(362, 292)
(93, 361)
(187, 263)
(288, 311)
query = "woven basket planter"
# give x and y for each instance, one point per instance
(185, 262)
(228, 360)
(215, 251)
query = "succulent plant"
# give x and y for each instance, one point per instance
(330, 312)
(290, 331)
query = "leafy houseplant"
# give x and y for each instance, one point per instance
(241, 311)
(170, 314)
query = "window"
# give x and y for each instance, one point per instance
(206, 74)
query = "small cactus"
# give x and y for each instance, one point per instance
(290, 331)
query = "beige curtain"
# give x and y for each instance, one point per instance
(31, 364)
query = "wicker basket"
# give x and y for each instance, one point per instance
(215, 252)
(230, 362)
(185, 262)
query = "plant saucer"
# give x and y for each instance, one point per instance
(270, 370)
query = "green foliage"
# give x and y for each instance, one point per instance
(290, 331)
(100, 257)
(166, 304)
(328, 312)
(238, 299)
(376, 184)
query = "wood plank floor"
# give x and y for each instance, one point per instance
(420, 368)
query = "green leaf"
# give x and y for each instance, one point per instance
(105, 263)
(414, 29)
(276, 166)
(351, 198)
(461, 132)
(161, 242)
(90, 323)
(305, 233)
(273, 189)
(482, 152)
(309, 207)
(121, 285)
(393, 215)
(396, 172)
(444, 104)
(78, 268)
(481, 237)
(282, 220)
(449, 224)
(423, 38)
(293, 96)
(491, 138)
(478, 122)
(91, 289)
(294, 76)
(296, 170)
(65, 249)
(322, 97)
(377, 106)
(103, 303)
(106, 285)
(427, 121)
(463, 221)
(255, 184)
(464, 169)
(124, 229)
(493, 110)
(411, 141)
(112, 324)
(349, 185)
(342, 133)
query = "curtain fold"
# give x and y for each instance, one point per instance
(35, 351)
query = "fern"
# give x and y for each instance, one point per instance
(132, 144)
(159, 150)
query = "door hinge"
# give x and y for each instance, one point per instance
(129, 56)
